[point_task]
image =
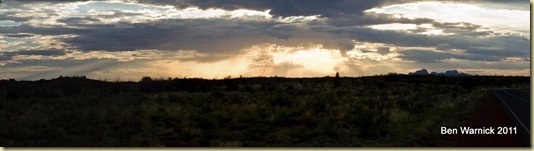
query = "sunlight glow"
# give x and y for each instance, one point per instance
(316, 59)
(435, 32)
(372, 51)
(410, 28)
(394, 26)
(230, 67)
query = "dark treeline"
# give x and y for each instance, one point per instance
(12, 89)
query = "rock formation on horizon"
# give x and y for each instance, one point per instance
(447, 73)
(419, 72)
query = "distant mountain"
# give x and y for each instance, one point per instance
(452, 73)
(419, 72)
(447, 73)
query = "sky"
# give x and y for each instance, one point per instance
(129, 39)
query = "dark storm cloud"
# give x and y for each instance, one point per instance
(427, 56)
(203, 35)
(504, 46)
(52, 52)
(383, 50)
(35, 30)
(6, 56)
(372, 19)
(499, 46)
(19, 35)
(473, 51)
(77, 20)
(462, 28)
(10, 16)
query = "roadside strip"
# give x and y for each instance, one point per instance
(526, 137)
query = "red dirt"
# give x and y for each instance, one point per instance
(488, 112)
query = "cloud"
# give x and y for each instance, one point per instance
(298, 7)
(52, 52)
(497, 46)
(206, 58)
(186, 35)
(21, 35)
(78, 21)
(206, 35)
(234, 35)
(221, 31)
(426, 56)
(7, 56)
(483, 49)
(41, 52)
(495, 16)
(281, 7)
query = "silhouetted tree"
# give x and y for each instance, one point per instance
(337, 80)
(147, 84)
(146, 79)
